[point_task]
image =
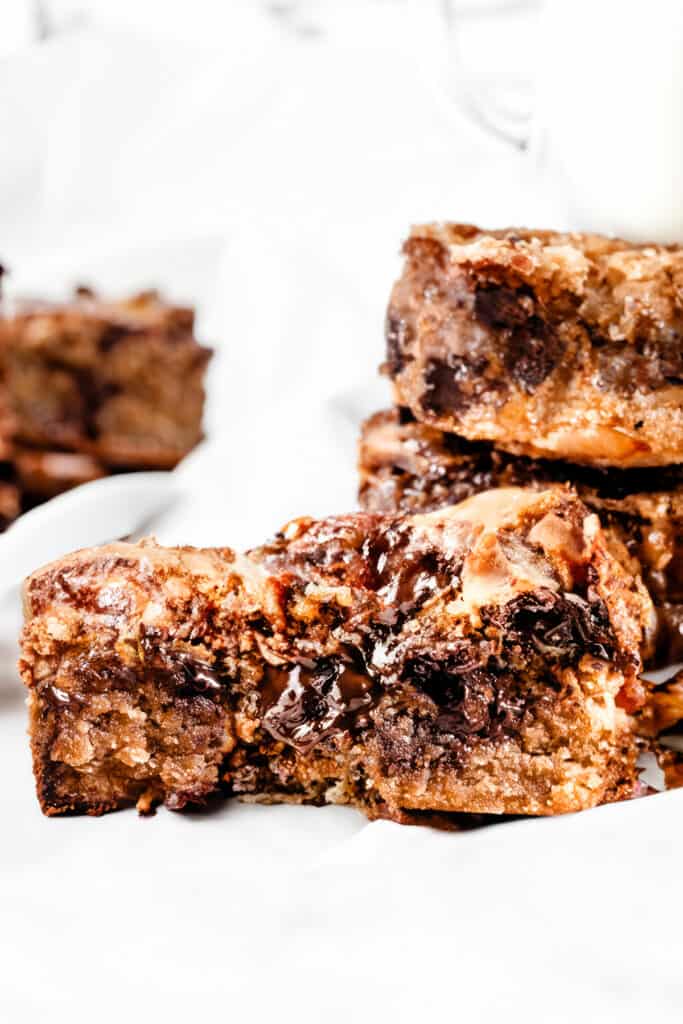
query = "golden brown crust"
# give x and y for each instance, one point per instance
(483, 659)
(552, 345)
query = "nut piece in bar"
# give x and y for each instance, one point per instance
(406, 466)
(483, 658)
(562, 346)
(121, 382)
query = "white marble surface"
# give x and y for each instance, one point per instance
(269, 174)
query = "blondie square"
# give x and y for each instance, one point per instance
(552, 345)
(483, 658)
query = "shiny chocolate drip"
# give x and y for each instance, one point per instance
(307, 702)
(404, 578)
(187, 674)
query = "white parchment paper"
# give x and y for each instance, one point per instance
(269, 177)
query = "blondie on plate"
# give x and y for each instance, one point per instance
(481, 658)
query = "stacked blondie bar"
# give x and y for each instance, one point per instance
(91, 387)
(533, 358)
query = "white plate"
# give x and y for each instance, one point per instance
(93, 513)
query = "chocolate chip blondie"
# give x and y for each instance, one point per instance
(551, 345)
(120, 383)
(483, 658)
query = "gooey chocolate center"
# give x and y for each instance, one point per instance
(311, 700)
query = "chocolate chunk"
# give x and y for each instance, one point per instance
(559, 627)
(183, 673)
(101, 676)
(60, 699)
(503, 307)
(404, 576)
(450, 705)
(531, 354)
(405, 416)
(530, 349)
(454, 384)
(472, 698)
(311, 701)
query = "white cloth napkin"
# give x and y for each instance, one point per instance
(273, 186)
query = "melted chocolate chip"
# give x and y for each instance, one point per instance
(531, 354)
(58, 698)
(90, 674)
(198, 677)
(405, 416)
(309, 702)
(450, 706)
(187, 675)
(261, 625)
(100, 675)
(453, 385)
(471, 696)
(561, 627)
(403, 577)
